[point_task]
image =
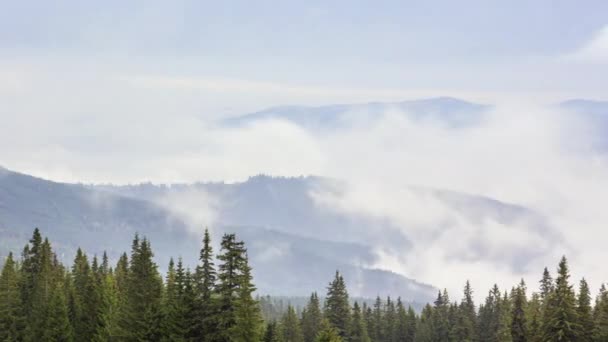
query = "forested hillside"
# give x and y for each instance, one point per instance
(91, 300)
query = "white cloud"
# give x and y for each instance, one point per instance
(593, 51)
(91, 126)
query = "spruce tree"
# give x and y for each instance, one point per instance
(248, 318)
(328, 333)
(519, 325)
(358, 330)
(11, 319)
(440, 317)
(585, 315)
(600, 315)
(271, 333)
(311, 320)
(376, 328)
(465, 328)
(290, 326)
(205, 277)
(142, 314)
(401, 333)
(232, 259)
(173, 322)
(561, 319)
(57, 325)
(337, 307)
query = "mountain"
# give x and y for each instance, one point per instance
(295, 243)
(99, 218)
(446, 110)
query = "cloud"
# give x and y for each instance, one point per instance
(593, 51)
(95, 127)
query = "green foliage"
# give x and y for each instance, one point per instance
(11, 319)
(561, 318)
(311, 319)
(337, 307)
(328, 333)
(42, 301)
(585, 314)
(290, 326)
(142, 312)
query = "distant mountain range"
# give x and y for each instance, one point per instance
(294, 243)
(99, 218)
(446, 110)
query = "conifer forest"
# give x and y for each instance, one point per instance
(132, 300)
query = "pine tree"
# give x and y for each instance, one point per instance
(534, 318)
(585, 315)
(401, 333)
(440, 318)
(44, 282)
(117, 282)
(271, 333)
(489, 316)
(561, 319)
(205, 277)
(337, 307)
(358, 330)
(376, 328)
(465, 328)
(390, 321)
(248, 319)
(141, 321)
(85, 299)
(425, 327)
(173, 323)
(58, 327)
(290, 326)
(600, 315)
(311, 319)
(504, 320)
(10, 303)
(412, 324)
(232, 260)
(328, 333)
(519, 324)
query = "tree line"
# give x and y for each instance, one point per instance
(43, 300)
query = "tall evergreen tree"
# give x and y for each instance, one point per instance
(337, 307)
(328, 333)
(142, 314)
(465, 328)
(232, 260)
(248, 318)
(561, 319)
(290, 326)
(519, 326)
(11, 319)
(585, 314)
(174, 318)
(311, 320)
(271, 333)
(358, 330)
(600, 315)
(205, 277)
(440, 317)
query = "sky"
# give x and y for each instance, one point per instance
(126, 92)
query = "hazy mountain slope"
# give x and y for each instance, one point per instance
(72, 215)
(449, 111)
(96, 219)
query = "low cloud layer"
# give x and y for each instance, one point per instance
(538, 158)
